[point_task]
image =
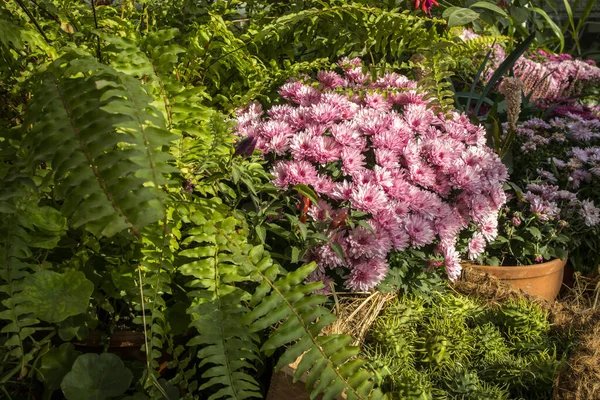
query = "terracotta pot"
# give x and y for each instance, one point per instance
(540, 280)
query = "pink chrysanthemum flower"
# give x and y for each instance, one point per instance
(369, 198)
(326, 149)
(307, 95)
(422, 174)
(386, 158)
(420, 230)
(301, 146)
(302, 172)
(289, 90)
(324, 185)
(280, 112)
(449, 227)
(489, 227)
(326, 257)
(357, 76)
(372, 122)
(366, 274)
(321, 212)
(476, 246)
(590, 213)
(324, 113)
(347, 135)
(342, 190)
(452, 263)
(377, 102)
(330, 79)
(362, 242)
(353, 161)
(278, 144)
(281, 172)
(418, 117)
(299, 117)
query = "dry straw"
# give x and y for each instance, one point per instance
(356, 312)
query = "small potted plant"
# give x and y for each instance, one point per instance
(535, 230)
(565, 151)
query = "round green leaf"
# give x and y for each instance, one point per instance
(55, 364)
(96, 377)
(462, 16)
(53, 297)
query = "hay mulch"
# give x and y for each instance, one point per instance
(575, 316)
(356, 312)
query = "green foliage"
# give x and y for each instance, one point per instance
(55, 364)
(455, 347)
(105, 170)
(522, 320)
(436, 81)
(52, 297)
(330, 361)
(410, 274)
(118, 176)
(124, 209)
(338, 28)
(96, 377)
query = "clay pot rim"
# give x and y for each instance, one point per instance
(117, 339)
(532, 271)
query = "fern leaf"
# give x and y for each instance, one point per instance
(329, 361)
(221, 257)
(96, 129)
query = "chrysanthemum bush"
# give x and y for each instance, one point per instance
(370, 146)
(564, 150)
(565, 153)
(539, 223)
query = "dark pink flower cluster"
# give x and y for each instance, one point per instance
(564, 107)
(374, 146)
(554, 78)
(545, 75)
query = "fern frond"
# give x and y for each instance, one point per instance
(96, 129)
(224, 265)
(437, 71)
(360, 30)
(222, 257)
(330, 361)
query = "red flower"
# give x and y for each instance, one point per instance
(304, 206)
(426, 5)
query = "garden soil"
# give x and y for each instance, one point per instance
(580, 377)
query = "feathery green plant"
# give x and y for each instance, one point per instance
(453, 346)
